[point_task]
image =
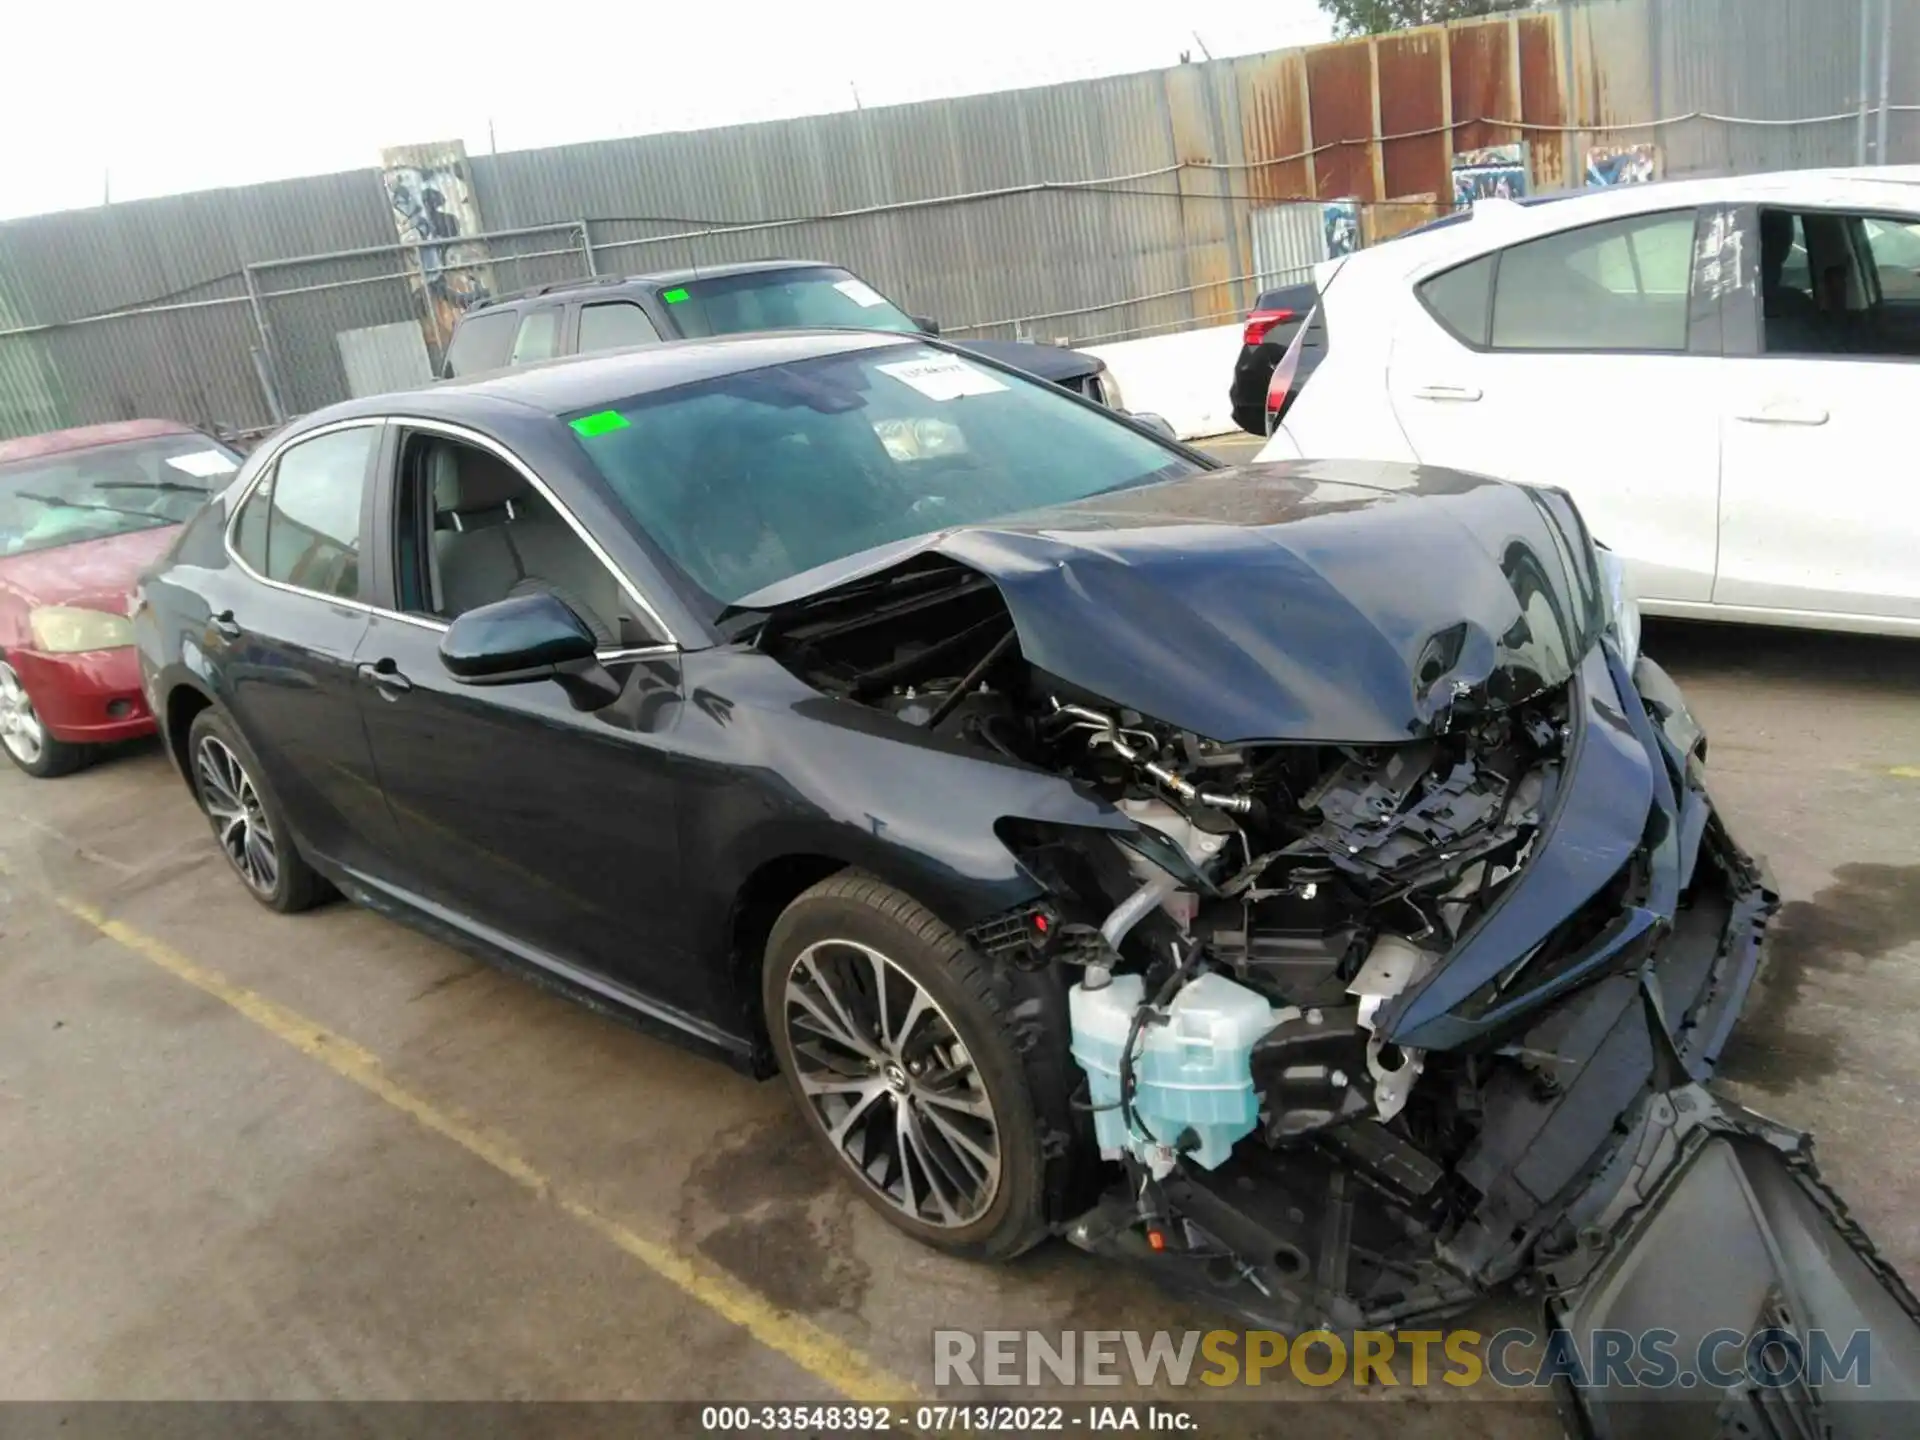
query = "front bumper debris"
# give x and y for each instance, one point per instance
(1602, 1176)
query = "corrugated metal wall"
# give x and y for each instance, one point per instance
(1082, 212)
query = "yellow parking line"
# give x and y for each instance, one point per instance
(1906, 772)
(822, 1354)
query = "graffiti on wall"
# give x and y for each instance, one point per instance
(1341, 221)
(431, 194)
(1623, 165)
(1498, 172)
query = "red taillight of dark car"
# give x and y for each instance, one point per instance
(1260, 322)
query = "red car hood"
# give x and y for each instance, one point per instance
(97, 574)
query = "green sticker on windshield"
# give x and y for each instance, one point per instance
(673, 297)
(601, 423)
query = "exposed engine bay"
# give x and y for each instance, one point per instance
(1229, 957)
(1388, 964)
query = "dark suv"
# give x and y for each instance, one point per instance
(579, 317)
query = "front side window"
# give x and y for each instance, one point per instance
(814, 297)
(474, 530)
(1620, 285)
(1837, 284)
(65, 498)
(614, 326)
(312, 531)
(754, 477)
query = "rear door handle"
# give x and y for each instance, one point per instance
(225, 624)
(1458, 394)
(1784, 412)
(385, 677)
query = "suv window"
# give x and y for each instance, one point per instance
(313, 512)
(1619, 285)
(613, 325)
(481, 342)
(539, 337)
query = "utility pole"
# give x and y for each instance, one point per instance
(1886, 79)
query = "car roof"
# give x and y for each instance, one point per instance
(562, 386)
(1494, 224)
(86, 437)
(653, 279)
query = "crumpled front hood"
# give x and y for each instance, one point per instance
(1318, 600)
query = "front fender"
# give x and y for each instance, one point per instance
(795, 773)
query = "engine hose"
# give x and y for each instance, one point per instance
(1136, 907)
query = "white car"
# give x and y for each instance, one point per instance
(1725, 374)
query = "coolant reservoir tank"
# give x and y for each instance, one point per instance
(1192, 1073)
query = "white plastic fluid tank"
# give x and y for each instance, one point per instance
(1193, 1072)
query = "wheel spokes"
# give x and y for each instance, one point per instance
(863, 1031)
(239, 821)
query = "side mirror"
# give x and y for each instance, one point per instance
(927, 326)
(526, 638)
(1159, 424)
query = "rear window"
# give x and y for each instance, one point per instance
(482, 342)
(814, 297)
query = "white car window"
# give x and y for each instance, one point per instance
(1620, 285)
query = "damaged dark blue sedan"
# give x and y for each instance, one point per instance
(1288, 878)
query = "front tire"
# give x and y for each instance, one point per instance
(23, 734)
(247, 820)
(896, 1046)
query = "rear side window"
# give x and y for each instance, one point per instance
(539, 337)
(482, 342)
(1458, 299)
(614, 326)
(313, 514)
(250, 532)
(1621, 285)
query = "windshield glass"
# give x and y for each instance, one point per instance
(751, 478)
(108, 490)
(817, 297)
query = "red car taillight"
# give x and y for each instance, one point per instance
(1260, 322)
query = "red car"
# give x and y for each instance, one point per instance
(82, 513)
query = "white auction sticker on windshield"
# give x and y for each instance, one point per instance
(202, 464)
(941, 377)
(860, 293)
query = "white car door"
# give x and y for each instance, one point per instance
(1571, 360)
(1819, 511)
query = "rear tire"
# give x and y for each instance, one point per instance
(896, 1046)
(247, 820)
(23, 735)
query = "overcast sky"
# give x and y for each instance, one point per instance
(203, 93)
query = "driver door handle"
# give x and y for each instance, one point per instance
(1459, 394)
(1784, 412)
(384, 675)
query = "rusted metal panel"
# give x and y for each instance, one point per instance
(1273, 125)
(1396, 217)
(1542, 97)
(1205, 221)
(1410, 100)
(1340, 103)
(1482, 71)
